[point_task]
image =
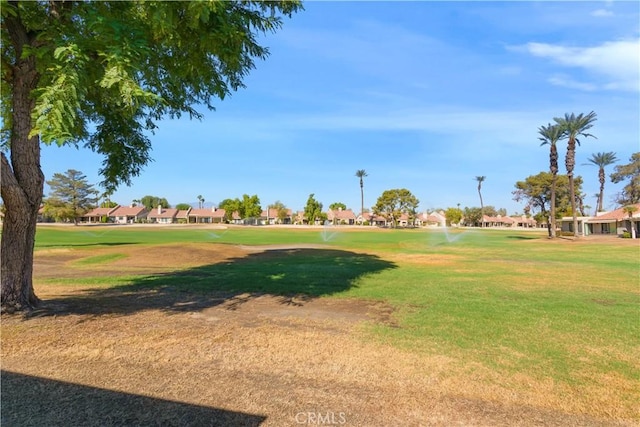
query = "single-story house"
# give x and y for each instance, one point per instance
(162, 215)
(128, 214)
(270, 217)
(433, 219)
(341, 217)
(98, 215)
(524, 221)
(182, 217)
(497, 221)
(372, 219)
(614, 222)
(206, 216)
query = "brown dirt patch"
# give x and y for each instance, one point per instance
(249, 360)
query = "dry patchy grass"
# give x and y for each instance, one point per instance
(249, 360)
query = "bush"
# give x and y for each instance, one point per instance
(626, 235)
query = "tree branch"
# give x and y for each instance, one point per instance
(9, 187)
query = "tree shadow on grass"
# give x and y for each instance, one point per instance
(518, 237)
(292, 275)
(36, 401)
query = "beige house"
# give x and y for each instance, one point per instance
(373, 220)
(341, 217)
(270, 217)
(206, 216)
(434, 219)
(162, 215)
(614, 222)
(128, 214)
(96, 215)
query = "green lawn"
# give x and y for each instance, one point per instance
(511, 301)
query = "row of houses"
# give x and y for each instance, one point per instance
(615, 222)
(161, 215)
(271, 216)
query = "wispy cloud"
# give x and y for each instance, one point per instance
(562, 80)
(616, 61)
(602, 13)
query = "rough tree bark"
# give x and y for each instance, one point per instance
(22, 181)
(553, 160)
(570, 164)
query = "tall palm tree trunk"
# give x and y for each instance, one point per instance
(601, 176)
(361, 197)
(552, 214)
(481, 207)
(570, 162)
(553, 161)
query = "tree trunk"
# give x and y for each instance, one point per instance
(601, 177)
(22, 181)
(552, 216)
(362, 199)
(18, 238)
(553, 167)
(481, 207)
(570, 163)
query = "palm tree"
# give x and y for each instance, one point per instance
(573, 126)
(551, 134)
(480, 180)
(602, 160)
(361, 173)
(200, 201)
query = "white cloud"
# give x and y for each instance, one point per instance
(600, 13)
(617, 61)
(561, 80)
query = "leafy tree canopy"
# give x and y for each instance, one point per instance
(250, 206)
(492, 211)
(71, 196)
(313, 210)
(108, 204)
(472, 216)
(117, 67)
(183, 206)
(281, 209)
(152, 202)
(630, 194)
(337, 206)
(247, 207)
(453, 216)
(535, 191)
(393, 203)
(230, 206)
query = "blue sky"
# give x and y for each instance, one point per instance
(422, 95)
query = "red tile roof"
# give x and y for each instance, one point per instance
(100, 212)
(345, 214)
(164, 213)
(182, 214)
(618, 215)
(207, 213)
(273, 213)
(128, 211)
